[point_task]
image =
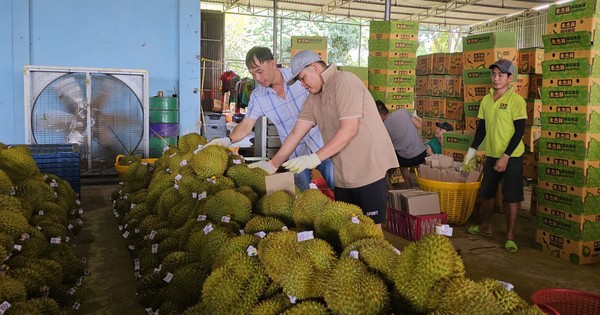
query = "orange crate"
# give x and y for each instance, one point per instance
(413, 227)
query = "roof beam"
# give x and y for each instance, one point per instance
(331, 6)
(230, 3)
(441, 8)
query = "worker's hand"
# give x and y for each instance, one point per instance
(301, 163)
(501, 163)
(224, 142)
(264, 165)
(469, 162)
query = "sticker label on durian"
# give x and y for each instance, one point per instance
(132, 206)
(18, 247)
(76, 305)
(53, 184)
(194, 195)
(305, 236)
(355, 220)
(251, 250)
(55, 195)
(131, 247)
(136, 230)
(79, 281)
(183, 163)
(126, 234)
(126, 197)
(55, 240)
(237, 162)
(126, 225)
(242, 232)
(79, 222)
(136, 264)
(137, 275)
(45, 176)
(67, 239)
(77, 202)
(313, 186)
(176, 186)
(71, 291)
(212, 180)
(120, 228)
(284, 228)
(168, 277)
(152, 234)
(260, 234)
(292, 299)
(116, 214)
(396, 250)
(202, 195)
(225, 219)
(201, 217)
(41, 212)
(197, 150)
(70, 226)
(149, 311)
(4, 307)
(154, 248)
(178, 177)
(12, 191)
(24, 237)
(208, 228)
(353, 254)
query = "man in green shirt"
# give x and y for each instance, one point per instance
(502, 115)
(434, 145)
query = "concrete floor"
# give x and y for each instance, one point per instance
(110, 287)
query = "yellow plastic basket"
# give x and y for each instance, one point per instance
(457, 200)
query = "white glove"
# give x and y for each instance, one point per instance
(224, 142)
(264, 165)
(301, 163)
(415, 113)
(467, 161)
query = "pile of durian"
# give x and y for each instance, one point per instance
(205, 239)
(40, 215)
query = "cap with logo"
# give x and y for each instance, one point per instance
(300, 61)
(444, 125)
(505, 66)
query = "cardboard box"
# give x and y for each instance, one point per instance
(428, 128)
(420, 202)
(394, 197)
(391, 60)
(396, 45)
(530, 60)
(436, 85)
(534, 112)
(394, 27)
(571, 68)
(421, 85)
(567, 121)
(280, 181)
(573, 16)
(482, 59)
(393, 97)
(454, 86)
(530, 164)
(531, 136)
(422, 105)
(535, 86)
(586, 149)
(579, 253)
(438, 106)
(317, 44)
(390, 80)
(393, 72)
(457, 140)
(570, 95)
(477, 84)
(454, 108)
(476, 92)
(489, 40)
(567, 202)
(456, 124)
(471, 109)
(577, 173)
(521, 86)
(456, 64)
(424, 64)
(576, 194)
(441, 63)
(322, 53)
(471, 123)
(568, 42)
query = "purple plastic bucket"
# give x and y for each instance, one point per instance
(164, 130)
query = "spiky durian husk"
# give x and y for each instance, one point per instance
(136, 214)
(148, 288)
(154, 193)
(190, 142)
(6, 184)
(352, 289)
(237, 244)
(307, 307)
(508, 300)
(35, 191)
(31, 278)
(204, 247)
(48, 269)
(72, 266)
(378, 254)
(229, 203)
(272, 306)
(252, 177)
(236, 287)
(37, 244)
(150, 223)
(54, 212)
(265, 224)
(11, 289)
(129, 159)
(528, 310)
(138, 197)
(307, 207)
(234, 158)
(210, 161)
(278, 205)
(18, 164)
(35, 306)
(464, 296)
(174, 261)
(180, 213)
(333, 216)
(365, 228)
(191, 185)
(218, 183)
(248, 192)
(185, 287)
(12, 223)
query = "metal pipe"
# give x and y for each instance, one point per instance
(388, 10)
(275, 52)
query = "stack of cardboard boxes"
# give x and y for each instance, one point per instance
(568, 193)
(439, 91)
(318, 44)
(392, 62)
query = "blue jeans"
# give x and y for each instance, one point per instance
(325, 168)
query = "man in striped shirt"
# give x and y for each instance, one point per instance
(281, 104)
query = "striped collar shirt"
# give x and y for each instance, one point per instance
(283, 113)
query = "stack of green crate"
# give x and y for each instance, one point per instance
(568, 191)
(392, 62)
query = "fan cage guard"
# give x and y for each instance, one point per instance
(103, 111)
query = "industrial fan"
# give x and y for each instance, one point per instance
(103, 111)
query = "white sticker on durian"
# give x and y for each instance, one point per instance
(126, 197)
(131, 247)
(70, 226)
(4, 307)
(67, 239)
(152, 234)
(201, 217)
(158, 269)
(292, 299)
(79, 281)
(208, 228)
(76, 305)
(313, 186)
(284, 228)
(260, 234)
(154, 248)
(506, 285)
(126, 234)
(45, 176)
(71, 291)
(24, 237)
(197, 150)
(237, 162)
(41, 212)
(55, 240)
(79, 222)
(178, 177)
(225, 219)
(136, 264)
(396, 250)
(55, 195)
(149, 311)
(12, 191)
(172, 155)
(38, 227)
(120, 228)
(116, 214)
(126, 225)
(132, 206)
(194, 194)
(211, 180)
(242, 232)
(80, 211)
(202, 195)
(53, 184)
(355, 220)
(353, 254)
(176, 186)
(251, 250)
(77, 202)
(136, 230)
(305, 236)
(168, 277)
(18, 247)
(168, 170)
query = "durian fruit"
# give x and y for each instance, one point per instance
(129, 159)
(307, 207)
(12, 223)
(237, 244)
(265, 224)
(272, 306)
(168, 199)
(236, 287)
(331, 219)
(180, 213)
(17, 163)
(464, 296)
(190, 142)
(352, 289)
(136, 214)
(147, 290)
(252, 177)
(234, 158)
(218, 183)
(359, 227)
(229, 203)
(136, 177)
(174, 261)
(35, 245)
(307, 307)
(11, 289)
(204, 245)
(278, 205)
(48, 269)
(35, 306)
(248, 192)
(509, 301)
(184, 289)
(35, 191)
(154, 192)
(72, 266)
(33, 280)
(210, 161)
(528, 310)
(190, 185)
(138, 197)
(6, 184)
(378, 254)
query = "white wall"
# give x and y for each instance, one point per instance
(161, 36)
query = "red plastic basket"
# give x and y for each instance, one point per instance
(412, 227)
(566, 301)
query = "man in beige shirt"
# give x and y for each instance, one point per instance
(355, 138)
